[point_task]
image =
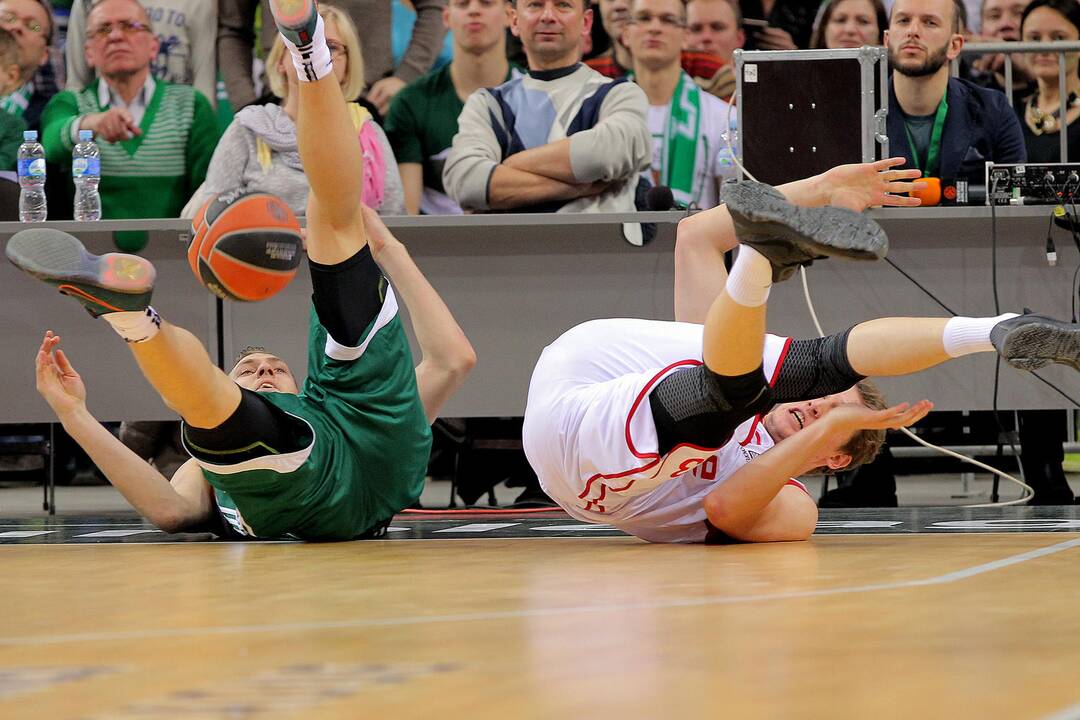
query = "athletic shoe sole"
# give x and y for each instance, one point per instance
(791, 236)
(1029, 342)
(295, 19)
(113, 282)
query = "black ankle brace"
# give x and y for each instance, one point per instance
(815, 368)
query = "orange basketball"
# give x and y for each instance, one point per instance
(245, 246)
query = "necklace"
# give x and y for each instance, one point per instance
(1046, 122)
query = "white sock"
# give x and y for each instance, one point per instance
(965, 335)
(750, 279)
(313, 61)
(135, 326)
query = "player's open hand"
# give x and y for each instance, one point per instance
(866, 185)
(57, 380)
(854, 416)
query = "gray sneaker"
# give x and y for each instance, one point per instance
(790, 235)
(296, 20)
(113, 282)
(1031, 341)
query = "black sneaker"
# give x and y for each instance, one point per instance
(1031, 341)
(114, 282)
(790, 235)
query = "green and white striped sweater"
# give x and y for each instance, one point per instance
(153, 174)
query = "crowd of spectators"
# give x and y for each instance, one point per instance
(585, 120)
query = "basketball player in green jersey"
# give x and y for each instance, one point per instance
(333, 461)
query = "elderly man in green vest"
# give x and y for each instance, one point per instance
(156, 138)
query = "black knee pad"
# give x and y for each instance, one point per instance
(256, 428)
(815, 368)
(348, 296)
(700, 407)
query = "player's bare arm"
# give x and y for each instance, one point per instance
(169, 506)
(447, 355)
(754, 506)
(703, 238)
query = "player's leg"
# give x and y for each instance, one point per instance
(326, 138)
(785, 224)
(347, 286)
(701, 242)
(701, 405)
(177, 365)
(898, 346)
(703, 238)
(818, 367)
(117, 288)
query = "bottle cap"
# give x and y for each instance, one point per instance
(29, 136)
(86, 135)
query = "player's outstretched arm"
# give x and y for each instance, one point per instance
(754, 505)
(171, 507)
(447, 355)
(702, 239)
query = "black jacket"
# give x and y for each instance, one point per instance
(980, 127)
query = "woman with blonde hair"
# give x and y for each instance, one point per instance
(258, 151)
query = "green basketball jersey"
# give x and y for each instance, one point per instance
(365, 443)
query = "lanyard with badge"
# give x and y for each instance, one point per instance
(934, 150)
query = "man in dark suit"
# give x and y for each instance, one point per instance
(946, 127)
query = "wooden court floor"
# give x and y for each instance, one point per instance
(853, 626)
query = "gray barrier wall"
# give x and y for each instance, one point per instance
(515, 282)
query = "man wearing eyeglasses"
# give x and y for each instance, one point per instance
(186, 31)
(706, 66)
(30, 21)
(156, 138)
(690, 154)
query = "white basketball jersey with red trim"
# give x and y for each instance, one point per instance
(590, 436)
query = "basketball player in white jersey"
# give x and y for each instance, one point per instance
(692, 431)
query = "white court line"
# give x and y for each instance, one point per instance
(61, 526)
(1069, 713)
(538, 612)
(476, 528)
(118, 533)
(254, 542)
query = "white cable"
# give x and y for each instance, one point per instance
(809, 303)
(1024, 486)
(1029, 492)
(727, 139)
(1027, 489)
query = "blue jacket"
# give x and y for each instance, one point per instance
(980, 126)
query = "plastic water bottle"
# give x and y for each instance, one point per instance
(726, 168)
(32, 207)
(86, 171)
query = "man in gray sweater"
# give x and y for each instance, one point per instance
(563, 138)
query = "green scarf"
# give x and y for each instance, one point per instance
(17, 102)
(679, 151)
